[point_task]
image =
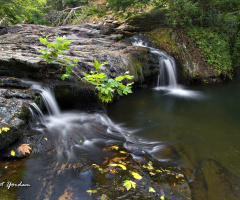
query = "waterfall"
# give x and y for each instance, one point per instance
(167, 68)
(48, 99)
(168, 73)
(37, 115)
(72, 132)
(167, 77)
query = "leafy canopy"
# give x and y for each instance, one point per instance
(19, 11)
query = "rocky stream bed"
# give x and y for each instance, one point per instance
(103, 167)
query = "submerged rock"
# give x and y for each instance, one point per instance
(221, 183)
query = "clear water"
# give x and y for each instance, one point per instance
(200, 128)
(61, 142)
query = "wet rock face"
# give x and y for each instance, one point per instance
(19, 55)
(190, 63)
(13, 109)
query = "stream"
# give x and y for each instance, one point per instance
(200, 129)
(194, 128)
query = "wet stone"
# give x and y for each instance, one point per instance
(19, 55)
(14, 113)
(221, 183)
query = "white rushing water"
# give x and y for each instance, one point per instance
(81, 130)
(49, 99)
(167, 78)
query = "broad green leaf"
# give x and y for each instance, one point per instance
(119, 78)
(43, 40)
(50, 60)
(128, 77)
(96, 64)
(120, 92)
(76, 60)
(129, 184)
(64, 76)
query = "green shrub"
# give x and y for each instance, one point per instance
(54, 49)
(215, 49)
(182, 13)
(107, 86)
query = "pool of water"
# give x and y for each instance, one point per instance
(201, 127)
(200, 122)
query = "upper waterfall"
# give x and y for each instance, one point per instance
(167, 73)
(167, 77)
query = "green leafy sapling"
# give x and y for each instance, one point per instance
(107, 86)
(69, 65)
(53, 50)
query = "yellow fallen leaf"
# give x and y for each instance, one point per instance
(136, 175)
(12, 153)
(122, 166)
(24, 148)
(151, 189)
(123, 152)
(162, 198)
(6, 129)
(119, 165)
(91, 191)
(114, 147)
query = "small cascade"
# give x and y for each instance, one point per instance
(38, 118)
(167, 78)
(168, 74)
(48, 99)
(70, 133)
